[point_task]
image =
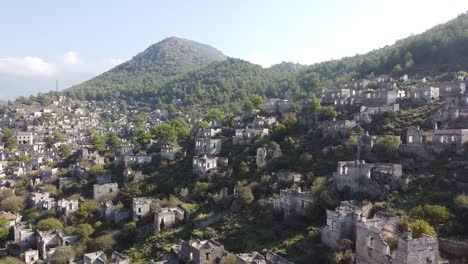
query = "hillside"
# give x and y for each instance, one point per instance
(174, 68)
(164, 59)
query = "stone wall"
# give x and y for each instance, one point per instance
(453, 248)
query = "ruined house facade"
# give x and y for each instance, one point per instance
(208, 146)
(293, 202)
(341, 223)
(440, 140)
(247, 136)
(376, 239)
(369, 178)
(337, 127)
(200, 251)
(203, 165)
(423, 95)
(141, 207)
(170, 152)
(265, 155)
(166, 217)
(24, 138)
(105, 191)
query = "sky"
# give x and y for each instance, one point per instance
(72, 41)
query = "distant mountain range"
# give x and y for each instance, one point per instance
(176, 68)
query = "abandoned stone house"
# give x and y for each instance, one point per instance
(203, 165)
(142, 206)
(200, 251)
(378, 240)
(165, 218)
(438, 140)
(423, 95)
(265, 155)
(24, 236)
(358, 84)
(286, 176)
(89, 154)
(67, 207)
(48, 240)
(276, 105)
(106, 191)
(447, 89)
(139, 159)
(453, 111)
(293, 202)
(130, 176)
(247, 136)
(260, 122)
(335, 96)
(119, 258)
(337, 127)
(98, 257)
(369, 178)
(115, 213)
(31, 256)
(341, 223)
(41, 200)
(250, 258)
(209, 132)
(377, 110)
(378, 97)
(170, 152)
(122, 150)
(24, 138)
(208, 146)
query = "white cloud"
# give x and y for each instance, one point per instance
(115, 61)
(27, 67)
(72, 58)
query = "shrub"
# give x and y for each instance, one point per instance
(419, 227)
(431, 213)
(49, 224)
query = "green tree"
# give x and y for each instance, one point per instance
(435, 214)
(257, 101)
(4, 228)
(49, 224)
(112, 140)
(141, 137)
(62, 255)
(98, 142)
(419, 227)
(97, 169)
(10, 260)
(165, 133)
(8, 138)
(398, 70)
(13, 204)
(214, 114)
(58, 136)
(64, 151)
(328, 113)
(245, 195)
(229, 259)
(87, 209)
(387, 145)
(314, 105)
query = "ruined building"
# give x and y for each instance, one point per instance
(167, 217)
(293, 202)
(419, 141)
(341, 223)
(379, 241)
(370, 178)
(200, 251)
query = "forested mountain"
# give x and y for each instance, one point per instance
(167, 58)
(178, 68)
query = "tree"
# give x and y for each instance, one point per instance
(387, 145)
(49, 224)
(13, 204)
(10, 260)
(419, 227)
(57, 136)
(4, 228)
(112, 140)
(98, 142)
(49, 142)
(97, 169)
(214, 114)
(183, 192)
(64, 151)
(62, 255)
(435, 214)
(87, 209)
(245, 195)
(397, 69)
(328, 113)
(8, 138)
(314, 106)
(164, 133)
(257, 102)
(141, 137)
(319, 186)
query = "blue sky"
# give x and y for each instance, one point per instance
(42, 41)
